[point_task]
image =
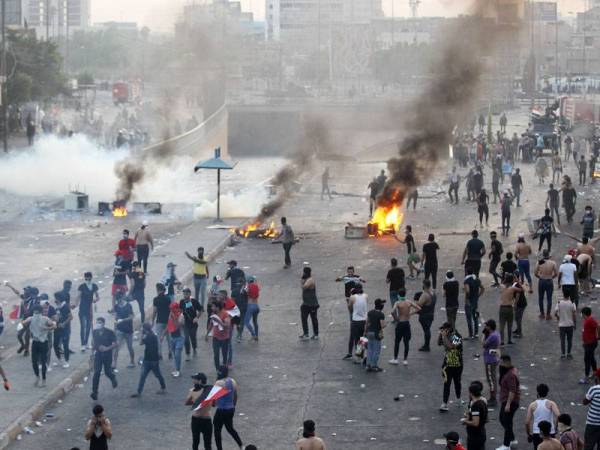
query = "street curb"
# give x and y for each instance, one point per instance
(35, 412)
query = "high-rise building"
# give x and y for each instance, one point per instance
(56, 17)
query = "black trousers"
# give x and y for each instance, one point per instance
(402, 334)
(426, 322)
(431, 271)
(506, 420)
(476, 443)
(493, 266)
(453, 188)
(305, 311)
(102, 361)
(357, 329)
(505, 222)
(483, 211)
(190, 332)
(589, 358)
(39, 354)
(204, 426)
(286, 250)
(224, 417)
(548, 238)
(449, 375)
(474, 264)
(61, 339)
(143, 251)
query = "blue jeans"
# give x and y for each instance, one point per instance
(545, 287)
(176, 348)
(252, 314)
(147, 367)
(220, 350)
(523, 265)
(394, 297)
(373, 350)
(200, 289)
(472, 316)
(85, 327)
(159, 329)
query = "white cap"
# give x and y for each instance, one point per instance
(568, 258)
(145, 223)
(521, 235)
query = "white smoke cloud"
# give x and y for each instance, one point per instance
(246, 203)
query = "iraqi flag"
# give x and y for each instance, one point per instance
(215, 393)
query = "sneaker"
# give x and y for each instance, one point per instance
(548, 317)
(83, 349)
(377, 369)
(131, 366)
(161, 392)
(187, 358)
(114, 383)
(503, 447)
(175, 374)
(115, 370)
(48, 369)
(405, 363)
(195, 353)
(136, 395)
(542, 316)
(43, 384)
(583, 381)
(314, 338)
(514, 443)
(348, 356)
(563, 356)
(393, 361)
(569, 356)
(424, 349)
(476, 336)
(94, 396)
(36, 383)
(444, 407)
(303, 337)
(66, 365)
(461, 402)
(238, 339)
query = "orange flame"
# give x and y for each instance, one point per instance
(253, 230)
(119, 211)
(387, 218)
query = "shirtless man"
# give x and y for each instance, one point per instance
(548, 442)
(585, 271)
(401, 313)
(586, 246)
(546, 271)
(506, 313)
(309, 440)
(201, 419)
(522, 252)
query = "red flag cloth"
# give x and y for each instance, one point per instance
(215, 393)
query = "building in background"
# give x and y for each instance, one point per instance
(56, 18)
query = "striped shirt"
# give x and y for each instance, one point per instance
(593, 396)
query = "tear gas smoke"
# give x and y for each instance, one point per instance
(233, 205)
(447, 100)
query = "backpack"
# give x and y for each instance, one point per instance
(521, 301)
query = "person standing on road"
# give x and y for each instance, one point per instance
(582, 167)
(496, 174)
(516, 182)
(475, 418)
(87, 296)
(98, 430)
(358, 308)
(127, 247)
(252, 292)
(310, 304)
(287, 240)
(220, 326)
(144, 244)
(104, 342)
(454, 179)
(591, 436)
(411, 251)
(226, 408)
(505, 204)
(325, 183)
(237, 279)
(545, 271)
(553, 202)
(589, 338)
(396, 280)
(496, 251)
(151, 362)
(451, 291)
(491, 358)
(201, 419)
(373, 330)
(482, 207)
(401, 312)
(309, 440)
(138, 286)
(545, 230)
(192, 310)
(474, 251)
(510, 396)
(201, 274)
(123, 331)
(39, 327)
(564, 312)
(567, 280)
(522, 253)
(373, 193)
(452, 366)
(62, 333)
(557, 167)
(473, 291)
(549, 442)
(429, 260)
(569, 197)
(426, 301)
(538, 411)
(160, 315)
(120, 273)
(175, 327)
(506, 312)
(588, 221)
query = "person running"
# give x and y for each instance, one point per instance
(39, 326)
(225, 405)
(516, 182)
(373, 330)
(123, 330)
(201, 274)
(175, 328)
(548, 440)
(582, 167)
(310, 305)
(429, 260)
(522, 253)
(475, 418)
(160, 314)
(426, 301)
(506, 312)
(309, 440)
(138, 286)
(144, 244)
(482, 207)
(287, 240)
(454, 180)
(252, 292)
(98, 430)
(510, 396)
(592, 424)
(569, 438)
(151, 361)
(505, 204)
(192, 311)
(473, 291)
(452, 366)
(219, 326)
(87, 296)
(201, 419)
(553, 202)
(567, 280)
(396, 280)
(401, 312)
(103, 343)
(411, 251)
(358, 308)
(546, 271)
(495, 255)
(564, 312)
(545, 230)
(474, 251)
(589, 338)
(538, 411)
(62, 332)
(491, 358)
(451, 291)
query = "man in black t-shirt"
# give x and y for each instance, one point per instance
(350, 280)
(87, 295)
(476, 418)
(151, 360)
(429, 260)
(124, 330)
(508, 266)
(374, 331)
(411, 251)
(191, 309)
(495, 255)
(103, 343)
(545, 230)
(160, 314)
(474, 251)
(138, 279)
(451, 290)
(395, 278)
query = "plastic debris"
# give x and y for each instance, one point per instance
(373, 439)
(50, 415)
(379, 409)
(362, 386)
(28, 430)
(241, 414)
(350, 420)
(19, 437)
(414, 419)
(340, 392)
(38, 423)
(334, 434)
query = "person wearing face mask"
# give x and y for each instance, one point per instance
(138, 286)
(192, 310)
(103, 343)
(123, 330)
(87, 295)
(201, 419)
(39, 327)
(151, 361)
(62, 334)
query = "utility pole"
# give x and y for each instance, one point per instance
(3, 80)
(47, 20)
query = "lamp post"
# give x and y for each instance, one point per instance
(217, 164)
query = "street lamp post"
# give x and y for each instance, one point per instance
(3, 90)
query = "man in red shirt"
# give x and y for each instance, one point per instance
(452, 439)
(589, 336)
(220, 326)
(127, 246)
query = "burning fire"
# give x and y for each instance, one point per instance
(253, 230)
(119, 211)
(386, 219)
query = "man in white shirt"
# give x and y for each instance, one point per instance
(567, 278)
(565, 314)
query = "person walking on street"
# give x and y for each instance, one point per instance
(201, 274)
(454, 179)
(98, 430)
(87, 296)
(569, 198)
(123, 330)
(401, 312)
(510, 396)
(452, 366)
(160, 314)
(506, 312)
(553, 202)
(549, 442)
(582, 167)
(396, 280)
(496, 251)
(374, 332)
(591, 436)
(201, 419)
(475, 418)
(482, 207)
(358, 308)
(522, 253)
(104, 342)
(225, 405)
(151, 362)
(138, 287)
(516, 182)
(252, 292)
(310, 305)
(429, 260)
(546, 271)
(192, 311)
(545, 230)
(39, 327)
(62, 332)
(474, 251)
(325, 184)
(589, 338)
(287, 240)
(30, 129)
(505, 204)
(473, 291)
(491, 358)
(451, 292)
(144, 244)
(588, 221)
(309, 440)
(564, 312)
(219, 327)
(426, 301)
(411, 251)
(538, 411)
(175, 327)
(567, 279)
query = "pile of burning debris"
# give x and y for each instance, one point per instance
(386, 220)
(119, 208)
(255, 230)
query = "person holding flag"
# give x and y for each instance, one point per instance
(201, 419)
(225, 403)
